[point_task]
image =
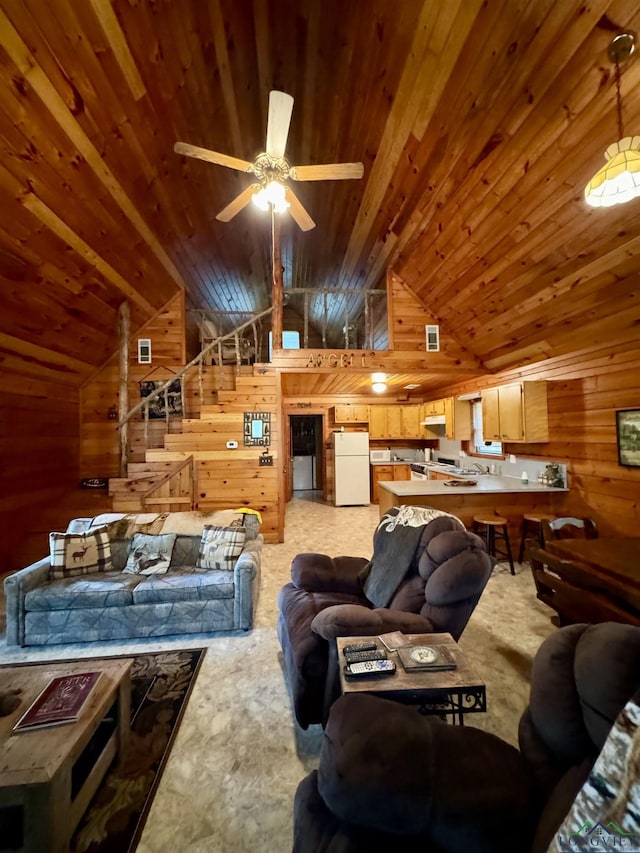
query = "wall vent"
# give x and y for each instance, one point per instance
(433, 338)
(144, 350)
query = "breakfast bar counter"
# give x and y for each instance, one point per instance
(505, 496)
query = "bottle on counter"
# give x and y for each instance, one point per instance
(524, 478)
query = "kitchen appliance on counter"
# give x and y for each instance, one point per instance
(380, 455)
(351, 463)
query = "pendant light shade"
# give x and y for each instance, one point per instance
(618, 180)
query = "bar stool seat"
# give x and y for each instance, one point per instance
(532, 524)
(492, 527)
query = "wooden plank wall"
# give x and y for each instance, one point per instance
(407, 318)
(584, 392)
(39, 437)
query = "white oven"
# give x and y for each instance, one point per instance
(418, 472)
(380, 455)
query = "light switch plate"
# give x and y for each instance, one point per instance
(265, 461)
(232, 445)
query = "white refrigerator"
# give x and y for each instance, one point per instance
(351, 461)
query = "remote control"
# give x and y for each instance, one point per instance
(369, 668)
(356, 657)
(359, 647)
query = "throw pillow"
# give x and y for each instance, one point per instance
(74, 554)
(150, 555)
(220, 547)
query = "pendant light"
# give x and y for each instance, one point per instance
(618, 181)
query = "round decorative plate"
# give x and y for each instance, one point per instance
(424, 654)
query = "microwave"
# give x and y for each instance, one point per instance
(380, 455)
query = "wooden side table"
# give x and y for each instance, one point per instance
(49, 775)
(449, 693)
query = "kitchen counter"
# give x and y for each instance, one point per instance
(500, 495)
(486, 483)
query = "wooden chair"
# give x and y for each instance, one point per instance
(577, 593)
(568, 528)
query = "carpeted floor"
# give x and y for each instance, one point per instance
(238, 757)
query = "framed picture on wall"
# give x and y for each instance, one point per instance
(628, 433)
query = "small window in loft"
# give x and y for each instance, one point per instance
(290, 340)
(487, 448)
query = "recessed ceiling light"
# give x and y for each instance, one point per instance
(412, 386)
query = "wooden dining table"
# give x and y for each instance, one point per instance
(617, 557)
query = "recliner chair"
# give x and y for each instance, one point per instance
(426, 575)
(391, 779)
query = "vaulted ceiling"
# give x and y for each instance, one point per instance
(478, 123)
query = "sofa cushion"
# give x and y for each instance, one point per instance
(110, 589)
(220, 547)
(74, 554)
(185, 584)
(150, 555)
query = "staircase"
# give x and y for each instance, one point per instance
(154, 487)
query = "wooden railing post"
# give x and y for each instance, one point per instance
(124, 325)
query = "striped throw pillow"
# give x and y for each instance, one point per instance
(75, 554)
(220, 547)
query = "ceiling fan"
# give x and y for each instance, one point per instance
(272, 170)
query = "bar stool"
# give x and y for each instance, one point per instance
(492, 527)
(532, 524)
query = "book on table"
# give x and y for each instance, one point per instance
(59, 702)
(427, 658)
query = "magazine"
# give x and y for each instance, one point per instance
(427, 658)
(60, 702)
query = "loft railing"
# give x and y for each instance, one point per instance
(358, 327)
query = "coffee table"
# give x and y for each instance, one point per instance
(49, 775)
(449, 693)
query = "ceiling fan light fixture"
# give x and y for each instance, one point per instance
(273, 193)
(618, 181)
(379, 387)
(378, 377)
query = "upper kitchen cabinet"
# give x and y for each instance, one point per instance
(433, 407)
(395, 422)
(346, 414)
(454, 419)
(411, 417)
(516, 413)
(457, 419)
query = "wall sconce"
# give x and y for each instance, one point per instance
(618, 181)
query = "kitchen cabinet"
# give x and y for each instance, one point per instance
(516, 413)
(457, 419)
(433, 407)
(395, 422)
(351, 414)
(387, 473)
(457, 415)
(411, 417)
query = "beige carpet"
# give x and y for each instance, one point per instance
(229, 783)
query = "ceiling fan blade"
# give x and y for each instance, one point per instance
(305, 222)
(280, 109)
(327, 172)
(212, 157)
(238, 203)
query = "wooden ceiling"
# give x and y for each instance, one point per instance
(478, 123)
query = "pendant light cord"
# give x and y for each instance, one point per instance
(619, 101)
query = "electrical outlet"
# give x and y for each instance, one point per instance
(265, 461)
